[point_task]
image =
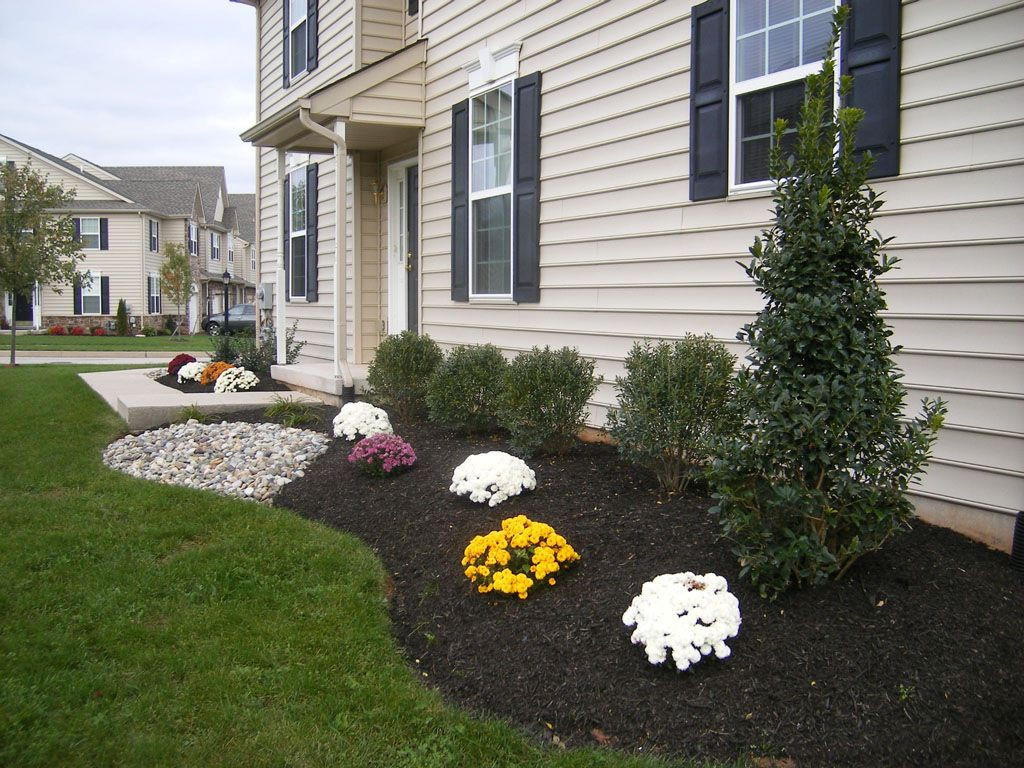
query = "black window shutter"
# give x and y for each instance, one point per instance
(286, 250)
(526, 191)
(104, 235)
(149, 294)
(709, 100)
(312, 20)
(312, 267)
(78, 293)
(104, 295)
(414, 7)
(460, 201)
(78, 230)
(285, 79)
(870, 52)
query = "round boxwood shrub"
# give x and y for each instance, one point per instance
(399, 373)
(466, 387)
(544, 404)
(673, 401)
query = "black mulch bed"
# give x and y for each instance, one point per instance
(266, 384)
(914, 660)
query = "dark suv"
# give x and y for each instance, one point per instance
(241, 317)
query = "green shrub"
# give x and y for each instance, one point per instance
(121, 320)
(674, 399)
(466, 388)
(399, 373)
(545, 398)
(190, 412)
(817, 476)
(223, 347)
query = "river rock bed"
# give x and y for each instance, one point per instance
(250, 461)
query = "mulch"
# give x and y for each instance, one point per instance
(914, 659)
(266, 384)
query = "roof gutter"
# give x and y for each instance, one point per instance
(341, 364)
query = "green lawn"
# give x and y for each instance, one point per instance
(200, 342)
(144, 625)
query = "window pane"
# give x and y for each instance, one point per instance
(816, 33)
(780, 11)
(784, 47)
(750, 54)
(787, 102)
(296, 10)
(754, 160)
(298, 266)
(751, 16)
(810, 6)
(298, 217)
(298, 46)
(492, 247)
(491, 152)
(91, 305)
(756, 114)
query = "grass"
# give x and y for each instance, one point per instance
(199, 342)
(290, 412)
(147, 625)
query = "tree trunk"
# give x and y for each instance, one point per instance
(14, 334)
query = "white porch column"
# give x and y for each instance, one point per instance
(280, 317)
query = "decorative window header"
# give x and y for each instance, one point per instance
(492, 66)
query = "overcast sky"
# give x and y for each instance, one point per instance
(131, 82)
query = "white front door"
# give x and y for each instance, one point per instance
(400, 248)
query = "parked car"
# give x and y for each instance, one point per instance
(241, 317)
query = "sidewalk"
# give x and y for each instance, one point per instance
(110, 357)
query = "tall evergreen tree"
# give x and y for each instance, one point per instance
(818, 475)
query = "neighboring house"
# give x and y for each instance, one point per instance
(572, 172)
(124, 218)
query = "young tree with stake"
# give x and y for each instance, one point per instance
(176, 277)
(37, 243)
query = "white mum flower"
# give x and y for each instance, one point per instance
(492, 477)
(356, 419)
(684, 613)
(235, 380)
(190, 372)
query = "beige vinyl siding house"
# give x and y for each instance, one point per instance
(624, 252)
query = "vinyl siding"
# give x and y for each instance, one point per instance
(381, 24)
(84, 190)
(625, 255)
(122, 263)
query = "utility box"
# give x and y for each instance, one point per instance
(266, 296)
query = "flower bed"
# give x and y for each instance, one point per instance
(816, 676)
(382, 454)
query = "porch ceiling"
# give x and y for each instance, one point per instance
(380, 105)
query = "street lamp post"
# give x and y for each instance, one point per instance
(227, 279)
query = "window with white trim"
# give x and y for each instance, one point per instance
(215, 246)
(92, 293)
(490, 192)
(297, 36)
(89, 234)
(252, 259)
(193, 239)
(231, 248)
(775, 45)
(155, 306)
(154, 235)
(297, 233)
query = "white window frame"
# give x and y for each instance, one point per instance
(231, 247)
(507, 189)
(82, 233)
(297, 234)
(215, 246)
(91, 287)
(154, 236)
(192, 236)
(293, 25)
(155, 292)
(252, 259)
(763, 83)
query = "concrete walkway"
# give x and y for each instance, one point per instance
(76, 357)
(143, 403)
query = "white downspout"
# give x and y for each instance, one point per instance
(279, 313)
(341, 363)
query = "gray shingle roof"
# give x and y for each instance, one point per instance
(210, 179)
(170, 198)
(245, 215)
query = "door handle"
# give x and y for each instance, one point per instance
(408, 262)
